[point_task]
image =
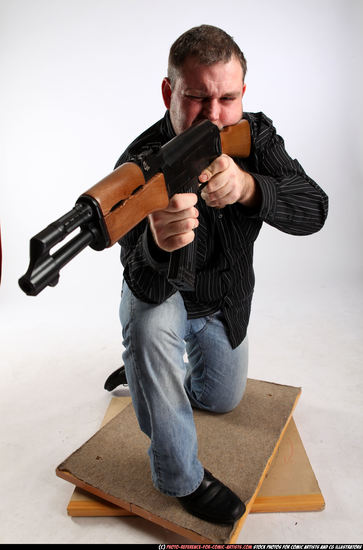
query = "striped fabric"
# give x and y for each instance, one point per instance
(291, 202)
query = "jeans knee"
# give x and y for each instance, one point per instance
(221, 407)
(152, 323)
(218, 400)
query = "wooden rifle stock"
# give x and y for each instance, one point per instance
(236, 140)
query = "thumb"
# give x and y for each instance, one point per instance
(204, 177)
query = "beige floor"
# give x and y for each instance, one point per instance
(55, 358)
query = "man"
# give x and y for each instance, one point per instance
(205, 81)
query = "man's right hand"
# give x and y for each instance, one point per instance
(173, 227)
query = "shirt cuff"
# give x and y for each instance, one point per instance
(268, 190)
(157, 258)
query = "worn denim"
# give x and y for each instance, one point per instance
(164, 386)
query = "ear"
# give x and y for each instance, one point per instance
(243, 89)
(166, 91)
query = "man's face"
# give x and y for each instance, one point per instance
(205, 92)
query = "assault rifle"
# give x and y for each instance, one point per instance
(116, 204)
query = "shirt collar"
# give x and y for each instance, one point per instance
(167, 127)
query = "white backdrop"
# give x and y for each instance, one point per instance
(79, 79)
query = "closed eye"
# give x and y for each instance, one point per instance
(198, 98)
(195, 98)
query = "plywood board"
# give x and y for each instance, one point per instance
(289, 486)
(237, 447)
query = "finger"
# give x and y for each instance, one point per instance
(165, 224)
(227, 197)
(183, 226)
(218, 165)
(178, 234)
(171, 216)
(213, 198)
(178, 241)
(181, 201)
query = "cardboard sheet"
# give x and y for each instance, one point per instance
(289, 486)
(237, 447)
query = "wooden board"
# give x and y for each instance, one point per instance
(83, 503)
(237, 447)
(289, 486)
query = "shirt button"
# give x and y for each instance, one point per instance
(220, 215)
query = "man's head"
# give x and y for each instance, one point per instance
(205, 80)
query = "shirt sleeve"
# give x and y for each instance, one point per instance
(291, 200)
(145, 268)
(145, 265)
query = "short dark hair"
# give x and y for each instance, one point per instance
(208, 44)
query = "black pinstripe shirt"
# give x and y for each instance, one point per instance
(291, 202)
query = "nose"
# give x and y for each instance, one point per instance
(212, 110)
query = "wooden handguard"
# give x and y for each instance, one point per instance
(125, 199)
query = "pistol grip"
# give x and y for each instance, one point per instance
(181, 271)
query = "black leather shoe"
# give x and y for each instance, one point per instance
(115, 379)
(213, 501)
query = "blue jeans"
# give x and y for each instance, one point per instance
(164, 387)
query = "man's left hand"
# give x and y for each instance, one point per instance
(227, 183)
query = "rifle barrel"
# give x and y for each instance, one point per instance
(46, 272)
